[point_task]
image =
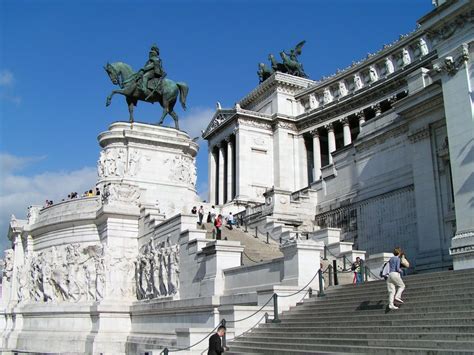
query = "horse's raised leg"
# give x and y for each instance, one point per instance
(109, 98)
(175, 118)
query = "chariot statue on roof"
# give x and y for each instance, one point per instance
(290, 64)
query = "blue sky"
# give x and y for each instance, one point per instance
(53, 86)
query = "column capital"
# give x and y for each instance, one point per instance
(220, 145)
(377, 108)
(314, 132)
(228, 138)
(329, 126)
(345, 121)
(360, 115)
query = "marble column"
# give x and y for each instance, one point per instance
(331, 140)
(457, 83)
(211, 157)
(346, 129)
(361, 117)
(378, 109)
(230, 172)
(220, 178)
(316, 155)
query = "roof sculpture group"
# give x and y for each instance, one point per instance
(150, 83)
(290, 64)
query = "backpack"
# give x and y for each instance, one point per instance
(385, 271)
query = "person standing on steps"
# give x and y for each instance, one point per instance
(356, 268)
(201, 214)
(395, 284)
(213, 213)
(218, 225)
(215, 342)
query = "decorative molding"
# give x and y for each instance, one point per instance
(447, 29)
(255, 123)
(419, 134)
(286, 125)
(220, 117)
(450, 64)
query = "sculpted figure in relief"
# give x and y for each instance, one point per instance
(389, 66)
(313, 102)
(423, 47)
(157, 270)
(101, 165)
(134, 162)
(120, 163)
(358, 82)
(373, 74)
(8, 267)
(327, 98)
(405, 57)
(174, 269)
(342, 89)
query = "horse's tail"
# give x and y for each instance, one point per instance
(183, 93)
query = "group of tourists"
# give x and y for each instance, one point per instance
(218, 220)
(74, 195)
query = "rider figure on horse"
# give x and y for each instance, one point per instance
(152, 69)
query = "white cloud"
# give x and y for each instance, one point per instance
(6, 78)
(18, 191)
(10, 163)
(196, 120)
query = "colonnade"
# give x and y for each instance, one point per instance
(331, 141)
(221, 162)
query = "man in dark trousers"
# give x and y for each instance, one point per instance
(215, 342)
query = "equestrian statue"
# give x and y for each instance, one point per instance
(148, 84)
(290, 64)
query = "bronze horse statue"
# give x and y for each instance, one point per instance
(165, 92)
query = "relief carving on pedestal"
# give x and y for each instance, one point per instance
(157, 270)
(71, 273)
(121, 193)
(182, 170)
(8, 264)
(114, 162)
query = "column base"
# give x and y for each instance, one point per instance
(462, 250)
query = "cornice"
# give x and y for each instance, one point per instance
(277, 80)
(371, 59)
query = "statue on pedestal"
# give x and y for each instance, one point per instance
(148, 84)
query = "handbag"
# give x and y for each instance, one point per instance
(404, 262)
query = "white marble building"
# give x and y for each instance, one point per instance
(130, 270)
(380, 154)
(382, 149)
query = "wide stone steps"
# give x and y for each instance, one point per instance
(256, 250)
(410, 293)
(308, 343)
(436, 318)
(376, 316)
(290, 348)
(380, 335)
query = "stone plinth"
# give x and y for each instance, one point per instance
(160, 161)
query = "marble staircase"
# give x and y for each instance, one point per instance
(255, 249)
(436, 318)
